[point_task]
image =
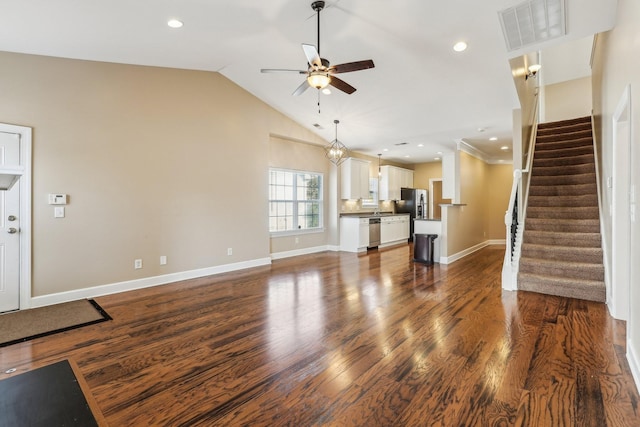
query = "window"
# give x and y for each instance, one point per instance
(295, 200)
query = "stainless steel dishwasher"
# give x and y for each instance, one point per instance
(374, 232)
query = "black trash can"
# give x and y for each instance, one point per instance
(423, 247)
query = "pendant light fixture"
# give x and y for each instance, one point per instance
(379, 167)
(336, 151)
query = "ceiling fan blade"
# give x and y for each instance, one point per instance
(352, 66)
(279, 70)
(313, 58)
(342, 85)
(304, 86)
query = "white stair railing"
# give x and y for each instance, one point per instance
(515, 214)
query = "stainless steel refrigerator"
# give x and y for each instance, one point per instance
(414, 202)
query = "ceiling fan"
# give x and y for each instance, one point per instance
(320, 73)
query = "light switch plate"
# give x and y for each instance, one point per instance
(58, 212)
(57, 199)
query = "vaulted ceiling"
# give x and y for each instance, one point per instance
(420, 98)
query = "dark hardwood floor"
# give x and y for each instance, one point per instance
(345, 340)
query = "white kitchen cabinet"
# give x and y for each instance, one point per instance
(394, 229)
(355, 179)
(354, 234)
(392, 179)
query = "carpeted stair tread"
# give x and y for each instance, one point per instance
(579, 123)
(564, 161)
(592, 290)
(567, 201)
(589, 212)
(564, 269)
(563, 253)
(563, 190)
(546, 142)
(583, 178)
(565, 170)
(565, 144)
(564, 152)
(564, 225)
(591, 240)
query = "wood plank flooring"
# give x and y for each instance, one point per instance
(342, 339)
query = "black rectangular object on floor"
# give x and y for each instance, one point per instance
(423, 248)
(49, 396)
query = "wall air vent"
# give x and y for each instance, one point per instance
(402, 143)
(533, 22)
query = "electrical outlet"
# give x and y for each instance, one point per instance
(163, 260)
(137, 264)
(229, 251)
(297, 240)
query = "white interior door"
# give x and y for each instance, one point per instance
(10, 227)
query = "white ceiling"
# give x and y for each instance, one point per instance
(420, 91)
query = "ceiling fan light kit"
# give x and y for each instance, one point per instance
(320, 73)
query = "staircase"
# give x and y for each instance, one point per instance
(561, 248)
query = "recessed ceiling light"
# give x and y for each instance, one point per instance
(438, 152)
(480, 129)
(407, 156)
(504, 147)
(420, 145)
(493, 138)
(386, 149)
(460, 46)
(174, 23)
(436, 158)
(326, 91)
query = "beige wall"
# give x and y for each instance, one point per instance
(156, 162)
(568, 100)
(296, 155)
(423, 172)
(498, 190)
(615, 66)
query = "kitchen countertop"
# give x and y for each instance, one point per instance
(371, 214)
(427, 219)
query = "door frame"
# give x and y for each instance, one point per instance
(24, 184)
(620, 216)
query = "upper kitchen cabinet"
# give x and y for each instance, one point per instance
(392, 179)
(355, 178)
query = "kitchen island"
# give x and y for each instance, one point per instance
(354, 231)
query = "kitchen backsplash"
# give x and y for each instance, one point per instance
(355, 206)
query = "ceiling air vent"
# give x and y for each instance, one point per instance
(532, 22)
(317, 126)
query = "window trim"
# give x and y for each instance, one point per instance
(321, 227)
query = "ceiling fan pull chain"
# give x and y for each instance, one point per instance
(318, 102)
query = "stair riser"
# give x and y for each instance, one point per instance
(564, 130)
(560, 127)
(586, 178)
(587, 272)
(557, 146)
(545, 137)
(562, 213)
(591, 240)
(564, 170)
(563, 190)
(568, 201)
(578, 227)
(565, 152)
(566, 254)
(564, 161)
(572, 290)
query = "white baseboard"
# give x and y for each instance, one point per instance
(634, 363)
(304, 251)
(146, 282)
(455, 257)
(497, 242)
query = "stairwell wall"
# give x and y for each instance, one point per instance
(615, 66)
